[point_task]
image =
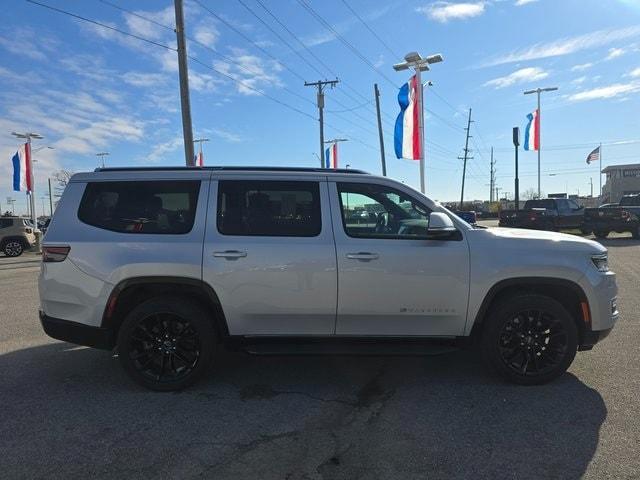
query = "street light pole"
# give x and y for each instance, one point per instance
(102, 155)
(419, 64)
(537, 91)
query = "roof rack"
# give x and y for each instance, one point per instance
(235, 169)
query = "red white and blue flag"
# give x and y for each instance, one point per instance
(406, 137)
(331, 156)
(22, 169)
(532, 132)
(199, 159)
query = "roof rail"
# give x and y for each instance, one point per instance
(235, 169)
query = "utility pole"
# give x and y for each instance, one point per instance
(492, 180)
(382, 158)
(538, 91)
(591, 184)
(516, 183)
(31, 181)
(320, 98)
(102, 155)
(184, 85)
(498, 194)
(465, 158)
(50, 199)
(419, 64)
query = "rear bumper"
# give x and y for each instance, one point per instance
(77, 333)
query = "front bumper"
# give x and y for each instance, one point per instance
(77, 333)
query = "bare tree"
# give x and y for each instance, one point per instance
(63, 177)
(529, 194)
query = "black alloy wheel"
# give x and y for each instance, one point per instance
(529, 339)
(164, 347)
(532, 342)
(166, 343)
(13, 248)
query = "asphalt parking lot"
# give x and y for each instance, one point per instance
(71, 412)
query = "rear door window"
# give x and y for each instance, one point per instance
(157, 207)
(269, 208)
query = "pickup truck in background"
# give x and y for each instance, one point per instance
(552, 214)
(623, 217)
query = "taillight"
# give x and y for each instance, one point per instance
(54, 254)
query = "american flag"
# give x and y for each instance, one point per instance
(594, 156)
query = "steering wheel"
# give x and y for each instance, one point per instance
(381, 223)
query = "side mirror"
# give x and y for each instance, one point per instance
(440, 226)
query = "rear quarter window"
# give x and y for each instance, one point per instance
(151, 207)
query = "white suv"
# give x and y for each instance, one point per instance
(167, 263)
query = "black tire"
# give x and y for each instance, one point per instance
(166, 344)
(529, 339)
(13, 248)
(601, 233)
(585, 230)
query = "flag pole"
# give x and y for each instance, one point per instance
(600, 177)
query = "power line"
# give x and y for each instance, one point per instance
(344, 41)
(240, 33)
(351, 109)
(80, 17)
(382, 42)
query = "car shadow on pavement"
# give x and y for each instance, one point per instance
(71, 412)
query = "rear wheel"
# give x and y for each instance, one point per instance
(13, 248)
(529, 339)
(601, 233)
(166, 343)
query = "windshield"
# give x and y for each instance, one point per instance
(547, 204)
(631, 201)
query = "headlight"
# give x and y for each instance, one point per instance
(601, 262)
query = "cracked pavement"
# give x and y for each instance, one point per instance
(71, 412)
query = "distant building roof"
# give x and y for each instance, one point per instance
(611, 168)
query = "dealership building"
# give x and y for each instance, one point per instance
(621, 180)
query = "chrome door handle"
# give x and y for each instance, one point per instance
(363, 256)
(230, 254)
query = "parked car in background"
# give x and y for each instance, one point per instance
(621, 217)
(16, 236)
(167, 263)
(552, 214)
(469, 217)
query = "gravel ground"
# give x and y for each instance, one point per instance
(70, 412)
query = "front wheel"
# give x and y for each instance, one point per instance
(529, 339)
(166, 343)
(601, 233)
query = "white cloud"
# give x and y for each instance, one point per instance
(444, 11)
(26, 42)
(143, 79)
(581, 67)
(579, 80)
(635, 73)
(143, 28)
(610, 91)
(227, 135)
(615, 53)
(519, 3)
(566, 46)
(254, 72)
(529, 74)
(207, 34)
(379, 62)
(159, 151)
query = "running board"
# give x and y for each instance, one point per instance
(378, 348)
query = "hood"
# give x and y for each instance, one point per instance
(560, 241)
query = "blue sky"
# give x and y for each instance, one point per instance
(89, 89)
